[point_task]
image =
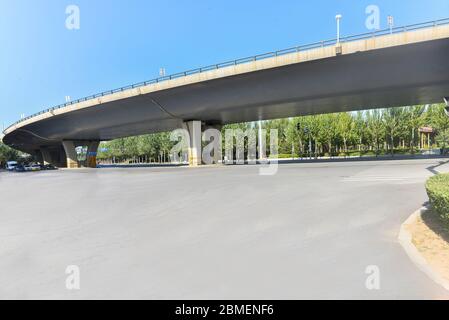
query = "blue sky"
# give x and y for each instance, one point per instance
(123, 42)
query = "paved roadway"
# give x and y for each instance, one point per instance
(309, 231)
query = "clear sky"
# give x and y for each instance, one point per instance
(121, 42)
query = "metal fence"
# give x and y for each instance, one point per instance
(258, 57)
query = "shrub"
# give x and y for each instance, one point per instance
(7, 154)
(438, 190)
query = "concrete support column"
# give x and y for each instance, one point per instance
(194, 129)
(46, 156)
(53, 155)
(70, 153)
(91, 156)
(39, 157)
(217, 157)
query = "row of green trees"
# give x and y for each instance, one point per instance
(145, 148)
(371, 132)
(7, 154)
(374, 131)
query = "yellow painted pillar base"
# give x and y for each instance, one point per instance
(194, 129)
(72, 164)
(193, 160)
(91, 162)
(70, 153)
(91, 156)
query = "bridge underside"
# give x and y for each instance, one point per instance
(397, 76)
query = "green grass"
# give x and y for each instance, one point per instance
(438, 191)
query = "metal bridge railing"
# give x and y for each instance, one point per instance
(258, 57)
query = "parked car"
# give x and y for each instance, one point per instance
(32, 167)
(19, 168)
(50, 167)
(47, 167)
(11, 165)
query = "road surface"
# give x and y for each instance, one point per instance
(308, 232)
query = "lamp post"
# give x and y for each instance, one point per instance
(446, 101)
(338, 17)
(261, 142)
(390, 21)
(307, 133)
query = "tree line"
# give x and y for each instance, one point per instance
(8, 154)
(369, 132)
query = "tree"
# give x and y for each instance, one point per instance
(281, 125)
(345, 125)
(442, 140)
(415, 120)
(359, 129)
(437, 117)
(7, 154)
(328, 130)
(313, 125)
(295, 135)
(376, 129)
(327, 133)
(392, 119)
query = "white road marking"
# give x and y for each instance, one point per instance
(379, 178)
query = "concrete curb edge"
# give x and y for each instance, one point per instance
(405, 239)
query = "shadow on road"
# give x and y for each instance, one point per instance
(433, 168)
(164, 165)
(436, 224)
(304, 160)
(379, 158)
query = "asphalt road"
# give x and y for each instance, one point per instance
(310, 231)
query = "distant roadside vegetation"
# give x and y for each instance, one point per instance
(7, 154)
(363, 133)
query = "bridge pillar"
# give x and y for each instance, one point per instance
(217, 157)
(70, 153)
(194, 129)
(52, 155)
(38, 155)
(91, 156)
(46, 156)
(72, 157)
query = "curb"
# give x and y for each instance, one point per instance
(405, 239)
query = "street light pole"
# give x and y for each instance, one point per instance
(261, 146)
(310, 146)
(390, 20)
(307, 132)
(338, 18)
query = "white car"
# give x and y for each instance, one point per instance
(11, 165)
(32, 167)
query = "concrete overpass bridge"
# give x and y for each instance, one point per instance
(404, 66)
